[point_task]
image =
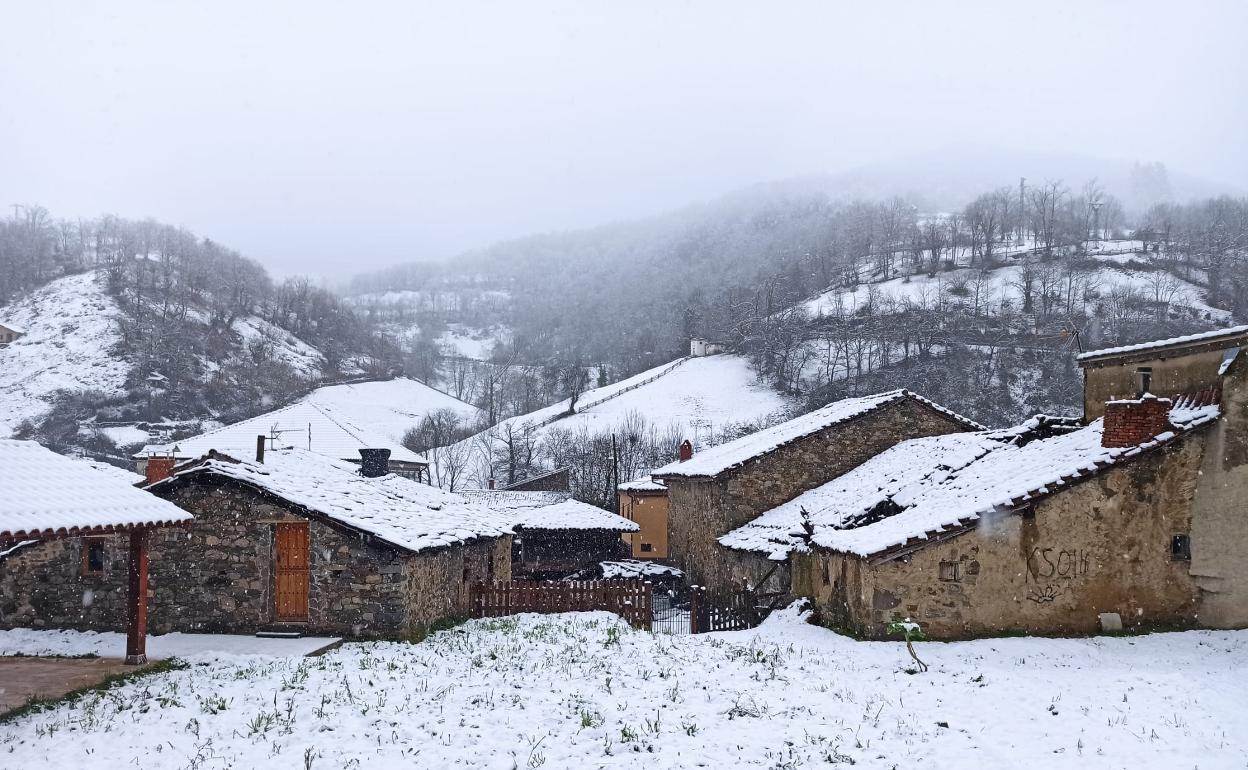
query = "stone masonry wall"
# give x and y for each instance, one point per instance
(700, 511)
(1100, 546)
(1220, 511)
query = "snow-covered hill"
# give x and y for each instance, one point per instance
(701, 398)
(69, 345)
(1105, 274)
(73, 345)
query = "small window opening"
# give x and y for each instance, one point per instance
(950, 571)
(1144, 379)
(1181, 548)
(647, 547)
(93, 557)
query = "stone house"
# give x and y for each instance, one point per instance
(298, 541)
(9, 332)
(555, 536)
(1056, 526)
(729, 485)
(644, 501)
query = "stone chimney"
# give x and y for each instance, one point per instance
(159, 468)
(686, 451)
(1131, 422)
(374, 462)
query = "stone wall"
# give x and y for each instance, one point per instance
(1102, 545)
(436, 583)
(701, 510)
(218, 577)
(43, 586)
(1220, 510)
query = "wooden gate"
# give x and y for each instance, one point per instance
(630, 599)
(727, 611)
(291, 596)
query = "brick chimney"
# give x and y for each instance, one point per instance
(686, 451)
(374, 462)
(1131, 422)
(159, 468)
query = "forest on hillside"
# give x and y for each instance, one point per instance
(981, 306)
(201, 326)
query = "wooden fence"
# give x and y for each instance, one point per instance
(630, 599)
(735, 611)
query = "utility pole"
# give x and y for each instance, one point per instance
(1022, 186)
(615, 473)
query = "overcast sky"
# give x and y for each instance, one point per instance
(330, 138)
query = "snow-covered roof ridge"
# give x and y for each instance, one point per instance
(549, 510)
(44, 494)
(403, 513)
(1200, 337)
(12, 326)
(923, 489)
(643, 484)
(733, 454)
(332, 434)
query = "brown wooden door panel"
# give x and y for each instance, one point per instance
(291, 600)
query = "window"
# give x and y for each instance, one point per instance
(93, 557)
(1144, 379)
(950, 571)
(647, 547)
(1181, 548)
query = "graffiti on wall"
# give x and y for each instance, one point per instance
(1050, 570)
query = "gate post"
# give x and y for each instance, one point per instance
(693, 609)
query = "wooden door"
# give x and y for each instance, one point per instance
(291, 602)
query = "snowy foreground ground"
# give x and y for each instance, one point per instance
(585, 691)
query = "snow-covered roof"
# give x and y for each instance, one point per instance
(643, 484)
(633, 568)
(549, 510)
(12, 327)
(312, 426)
(1190, 339)
(121, 474)
(44, 494)
(924, 487)
(733, 454)
(401, 512)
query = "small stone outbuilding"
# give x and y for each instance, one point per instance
(555, 535)
(727, 486)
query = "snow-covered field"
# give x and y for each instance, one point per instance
(585, 691)
(389, 407)
(71, 331)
